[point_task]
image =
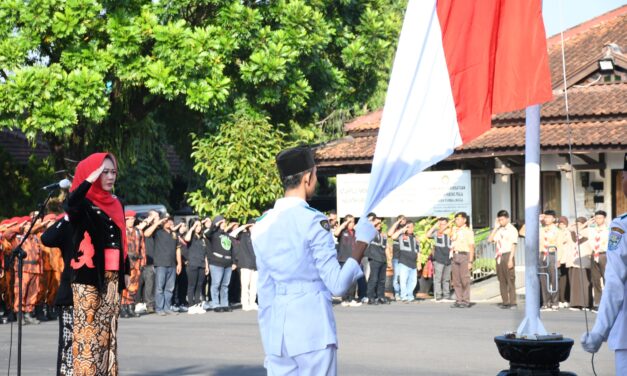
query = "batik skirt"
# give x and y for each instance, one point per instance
(95, 328)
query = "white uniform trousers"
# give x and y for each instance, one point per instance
(621, 362)
(315, 363)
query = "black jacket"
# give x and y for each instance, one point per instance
(86, 217)
(243, 253)
(221, 248)
(59, 235)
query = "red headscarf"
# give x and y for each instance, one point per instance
(107, 202)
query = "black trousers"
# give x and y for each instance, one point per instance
(179, 296)
(146, 291)
(376, 282)
(195, 283)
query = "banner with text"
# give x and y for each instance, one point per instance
(432, 193)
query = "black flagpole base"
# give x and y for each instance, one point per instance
(529, 357)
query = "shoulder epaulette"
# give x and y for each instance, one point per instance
(312, 209)
(623, 216)
(261, 217)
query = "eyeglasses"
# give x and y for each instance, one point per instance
(112, 172)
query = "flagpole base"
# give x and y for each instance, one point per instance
(531, 357)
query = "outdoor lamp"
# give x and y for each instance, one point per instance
(606, 65)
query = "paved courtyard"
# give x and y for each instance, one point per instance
(425, 338)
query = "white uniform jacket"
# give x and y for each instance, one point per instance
(298, 275)
(611, 320)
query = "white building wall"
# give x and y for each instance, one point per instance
(501, 191)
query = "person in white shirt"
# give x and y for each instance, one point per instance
(299, 273)
(505, 236)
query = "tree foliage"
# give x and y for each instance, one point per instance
(89, 75)
(238, 164)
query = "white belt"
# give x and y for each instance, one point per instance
(220, 255)
(298, 287)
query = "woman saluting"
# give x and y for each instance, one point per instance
(100, 264)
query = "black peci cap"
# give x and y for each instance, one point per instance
(295, 160)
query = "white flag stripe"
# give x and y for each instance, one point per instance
(419, 123)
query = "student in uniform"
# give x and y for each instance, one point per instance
(550, 236)
(244, 260)
(134, 250)
(611, 321)
(441, 234)
(32, 271)
(220, 259)
(197, 266)
(299, 273)
(378, 264)
(505, 237)
(400, 221)
(407, 261)
(463, 248)
(598, 233)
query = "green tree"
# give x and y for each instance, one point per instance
(93, 75)
(238, 164)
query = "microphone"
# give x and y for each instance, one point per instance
(63, 184)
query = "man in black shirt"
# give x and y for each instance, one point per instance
(167, 259)
(146, 291)
(244, 259)
(345, 234)
(441, 233)
(378, 264)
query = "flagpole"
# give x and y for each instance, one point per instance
(532, 325)
(531, 351)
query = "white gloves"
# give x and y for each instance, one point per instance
(591, 342)
(365, 231)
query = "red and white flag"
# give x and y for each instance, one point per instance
(457, 63)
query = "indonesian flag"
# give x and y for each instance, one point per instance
(457, 63)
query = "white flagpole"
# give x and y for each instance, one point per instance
(531, 325)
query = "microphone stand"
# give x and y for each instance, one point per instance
(19, 253)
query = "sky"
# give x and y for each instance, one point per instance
(573, 12)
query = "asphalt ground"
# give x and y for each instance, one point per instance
(425, 338)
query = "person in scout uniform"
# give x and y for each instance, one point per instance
(611, 321)
(550, 237)
(134, 245)
(598, 234)
(505, 237)
(463, 249)
(299, 273)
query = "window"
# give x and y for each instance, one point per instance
(518, 198)
(551, 191)
(480, 200)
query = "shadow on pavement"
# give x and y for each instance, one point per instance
(197, 370)
(239, 370)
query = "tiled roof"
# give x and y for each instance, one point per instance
(19, 148)
(367, 122)
(356, 149)
(586, 41)
(503, 140)
(583, 102)
(554, 137)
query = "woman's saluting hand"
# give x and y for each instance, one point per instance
(96, 174)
